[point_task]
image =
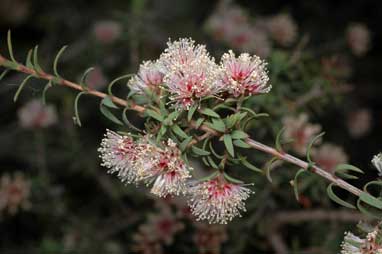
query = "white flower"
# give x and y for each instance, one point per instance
(149, 77)
(377, 162)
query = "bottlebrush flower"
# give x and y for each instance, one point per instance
(359, 122)
(149, 77)
(218, 201)
(190, 73)
(282, 29)
(300, 131)
(328, 156)
(244, 75)
(377, 162)
(371, 244)
(358, 37)
(14, 193)
(107, 31)
(165, 168)
(35, 114)
(119, 154)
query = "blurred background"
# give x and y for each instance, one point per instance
(324, 60)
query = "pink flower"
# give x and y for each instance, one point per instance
(282, 29)
(209, 238)
(244, 75)
(300, 131)
(14, 193)
(328, 156)
(35, 114)
(149, 77)
(190, 73)
(165, 168)
(107, 31)
(119, 154)
(359, 122)
(358, 37)
(218, 201)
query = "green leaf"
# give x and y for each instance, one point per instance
(108, 102)
(213, 151)
(212, 162)
(191, 112)
(154, 115)
(210, 112)
(185, 143)
(85, 76)
(47, 86)
(10, 48)
(308, 150)
(108, 114)
(278, 140)
(5, 72)
(205, 161)
(21, 87)
(200, 151)
(295, 183)
(76, 114)
(238, 134)
(228, 144)
(249, 165)
(209, 177)
(231, 179)
(56, 60)
(371, 200)
(336, 199)
(178, 131)
(217, 124)
(369, 211)
(171, 117)
(269, 168)
(36, 64)
(347, 167)
(127, 122)
(111, 84)
(199, 122)
(230, 121)
(28, 62)
(241, 143)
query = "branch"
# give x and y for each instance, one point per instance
(254, 144)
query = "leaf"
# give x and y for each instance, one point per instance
(5, 72)
(185, 143)
(217, 124)
(295, 183)
(28, 62)
(370, 212)
(178, 131)
(336, 199)
(110, 86)
(278, 140)
(85, 76)
(308, 150)
(212, 162)
(127, 122)
(269, 168)
(241, 143)
(36, 65)
(56, 60)
(108, 114)
(154, 115)
(370, 200)
(214, 152)
(76, 114)
(191, 112)
(210, 112)
(10, 48)
(231, 179)
(200, 151)
(199, 123)
(238, 134)
(347, 167)
(209, 177)
(250, 166)
(47, 86)
(228, 144)
(21, 87)
(108, 102)
(172, 116)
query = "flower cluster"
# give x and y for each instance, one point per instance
(370, 244)
(14, 193)
(35, 114)
(134, 161)
(190, 74)
(328, 156)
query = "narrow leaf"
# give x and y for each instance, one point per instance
(36, 65)
(336, 199)
(178, 131)
(210, 112)
(5, 72)
(127, 122)
(47, 86)
(278, 140)
(308, 150)
(370, 200)
(85, 76)
(110, 86)
(250, 165)
(108, 102)
(231, 179)
(184, 144)
(28, 62)
(154, 115)
(212, 162)
(368, 211)
(76, 114)
(10, 48)
(21, 88)
(199, 122)
(241, 143)
(109, 115)
(228, 144)
(199, 151)
(56, 60)
(295, 183)
(238, 134)
(191, 112)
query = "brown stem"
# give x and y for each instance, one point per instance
(254, 144)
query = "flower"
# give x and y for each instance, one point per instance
(358, 37)
(149, 77)
(14, 193)
(282, 29)
(359, 122)
(300, 131)
(370, 244)
(209, 238)
(35, 114)
(96, 79)
(119, 154)
(107, 31)
(377, 162)
(244, 75)
(217, 200)
(165, 168)
(328, 156)
(190, 73)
